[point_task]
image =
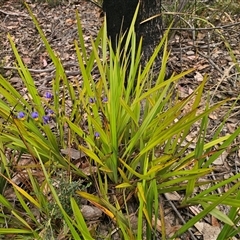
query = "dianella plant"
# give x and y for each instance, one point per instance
(129, 126)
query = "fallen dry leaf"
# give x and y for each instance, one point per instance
(89, 170)
(213, 116)
(215, 222)
(221, 159)
(73, 153)
(198, 77)
(173, 196)
(209, 232)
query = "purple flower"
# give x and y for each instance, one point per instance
(46, 119)
(35, 116)
(92, 100)
(50, 112)
(21, 115)
(97, 135)
(48, 95)
(105, 100)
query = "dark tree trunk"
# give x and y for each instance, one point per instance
(119, 14)
(149, 26)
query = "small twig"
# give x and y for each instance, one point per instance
(213, 45)
(210, 61)
(225, 74)
(47, 78)
(32, 70)
(176, 16)
(208, 28)
(68, 74)
(14, 14)
(42, 70)
(181, 50)
(96, 3)
(52, 69)
(180, 216)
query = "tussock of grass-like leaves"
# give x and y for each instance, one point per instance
(132, 133)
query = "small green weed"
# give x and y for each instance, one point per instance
(64, 190)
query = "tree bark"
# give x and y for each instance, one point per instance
(119, 14)
(149, 26)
